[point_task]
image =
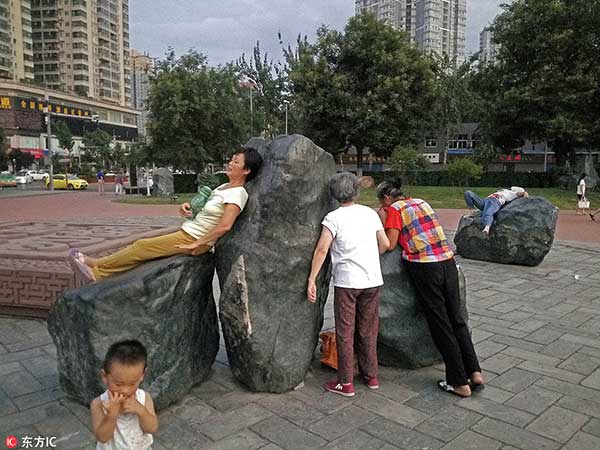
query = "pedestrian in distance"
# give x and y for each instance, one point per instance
(119, 183)
(355, 236)
(429, 261)
(490, 205)
(123, 417)
(581, 198)
(100, 181)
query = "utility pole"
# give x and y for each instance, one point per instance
(47, 116)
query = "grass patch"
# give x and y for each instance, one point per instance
(447, 197)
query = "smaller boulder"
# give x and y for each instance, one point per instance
(163, 182)
(404, 338)
(522, 233)
(366, 182)
(166, 304)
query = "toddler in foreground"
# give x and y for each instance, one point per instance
(123, 417)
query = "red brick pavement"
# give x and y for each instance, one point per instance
(89, 204)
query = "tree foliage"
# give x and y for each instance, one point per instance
(198, 114)
(97, 147)
(63, 134)
(463, 170)
(407, 160)
(270, 93)
(3, 150)
(546, 82)
(365, 86)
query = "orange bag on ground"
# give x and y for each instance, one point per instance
(329, 355)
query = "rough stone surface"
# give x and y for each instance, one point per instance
(163, 182)
(167, 304)
(270, 328)
(404, 339)
(522, 233)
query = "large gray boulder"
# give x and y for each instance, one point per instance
(166, 304)
(404, 339)
(585, 165)
(163, 182)
(522, 233)
(270, 328)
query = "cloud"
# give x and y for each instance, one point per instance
(224, 29)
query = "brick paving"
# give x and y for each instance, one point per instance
(537, 331)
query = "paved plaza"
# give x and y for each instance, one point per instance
(537, 332)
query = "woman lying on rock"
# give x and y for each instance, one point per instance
(493, 202)
(429, 261)
(198, 234)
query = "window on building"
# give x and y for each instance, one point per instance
(430, 141)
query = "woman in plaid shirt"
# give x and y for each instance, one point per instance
(429, 261)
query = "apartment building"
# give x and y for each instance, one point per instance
(16, 45)
(141, 66)
(82, 47)
(488, 49)
(436, 26)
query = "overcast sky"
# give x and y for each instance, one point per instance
(224, 29)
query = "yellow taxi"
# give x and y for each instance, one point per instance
(69, 182)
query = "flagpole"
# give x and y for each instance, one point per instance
(251, 114)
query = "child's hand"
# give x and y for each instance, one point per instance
(115, 403)
(132, 406)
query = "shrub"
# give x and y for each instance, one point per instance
(462, 171)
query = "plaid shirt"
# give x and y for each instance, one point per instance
(421, 236)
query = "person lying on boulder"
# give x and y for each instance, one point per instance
(355, 236)
(429, 262)
(493, 202)
(197, 235)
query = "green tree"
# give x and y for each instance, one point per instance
(363, 87)
(64, 135)
(546, 82)
(3, 150)
(198, 113)
(484, 154)
(464, 170)
(407, 160)
(97, 147)
(269, 94)
(455, 100)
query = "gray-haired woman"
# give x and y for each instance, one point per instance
(355, 236)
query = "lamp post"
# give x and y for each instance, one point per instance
(246, 81)
(47, 116)
(286, 103)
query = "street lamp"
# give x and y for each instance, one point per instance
(47, 116)
(246, 81)
(286, 103)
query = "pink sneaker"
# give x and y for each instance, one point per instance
(371, 382)
(346, 389)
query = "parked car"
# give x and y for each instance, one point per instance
(38, 175)
(7, 179)
(62, 181)
(24, 174)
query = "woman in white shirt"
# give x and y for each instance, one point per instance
(354, 234)
(581, 194)
(197, 235)
(492, 203)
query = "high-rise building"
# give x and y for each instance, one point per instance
(16, 46)
(140, 66)
(437, 26)
(488, 49)
(82, 47)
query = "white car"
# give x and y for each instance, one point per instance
(23, 177)
(37, 175)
